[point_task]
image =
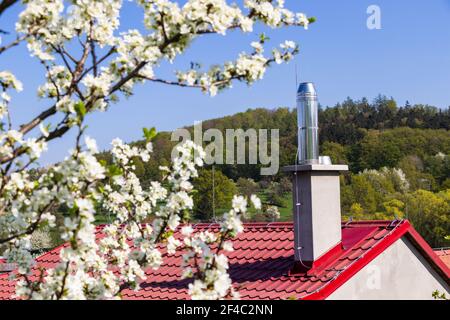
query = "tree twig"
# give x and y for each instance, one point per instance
(13, 44)
(5, 4)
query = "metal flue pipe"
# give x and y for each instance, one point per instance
(307, 116)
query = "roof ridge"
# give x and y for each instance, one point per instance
(246, 225)
(371, 223)
(275, 224)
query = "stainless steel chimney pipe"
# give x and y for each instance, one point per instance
(307, 117)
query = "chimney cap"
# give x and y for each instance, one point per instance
(315, 167)
(307, 88)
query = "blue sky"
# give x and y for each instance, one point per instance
(409, 59)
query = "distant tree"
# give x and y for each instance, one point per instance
(413, 167)
(429, 213)
(268, 213)
(377, 152)
(247, 186)
(275, 194)
(387, 180)
(272, 213)
(347, 196)
(438, 166)
(264, 184)
(364, 193)
(356, 211)
(224, 189)
(386, 110)
(394, 209)
(446, 184)
(139, 168)
(336, 152)
(285, 186)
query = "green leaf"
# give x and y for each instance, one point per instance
(263, 38)
(101, 189)
(72, 211)
(149, 134)
(167, 234)
(80, 109)
(114, 170)
(186, 216)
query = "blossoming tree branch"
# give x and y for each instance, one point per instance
(89, 64)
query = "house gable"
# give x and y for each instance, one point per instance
(399, 272)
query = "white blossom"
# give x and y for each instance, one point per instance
(43, 130)
(172, 245)
(91, 144)
(273, 213)
(90, 64)
(8, 80)
(239, 203)
(255, 201)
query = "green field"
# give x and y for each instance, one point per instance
(285, 210)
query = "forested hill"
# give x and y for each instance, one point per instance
(399, 159)
(362, 134)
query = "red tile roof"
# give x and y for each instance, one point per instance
(444, 254)
(261, 265)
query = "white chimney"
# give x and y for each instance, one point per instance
(316, 189)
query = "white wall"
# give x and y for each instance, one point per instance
(400, 272)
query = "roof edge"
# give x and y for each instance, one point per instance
(404, 228)
(429, 254)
